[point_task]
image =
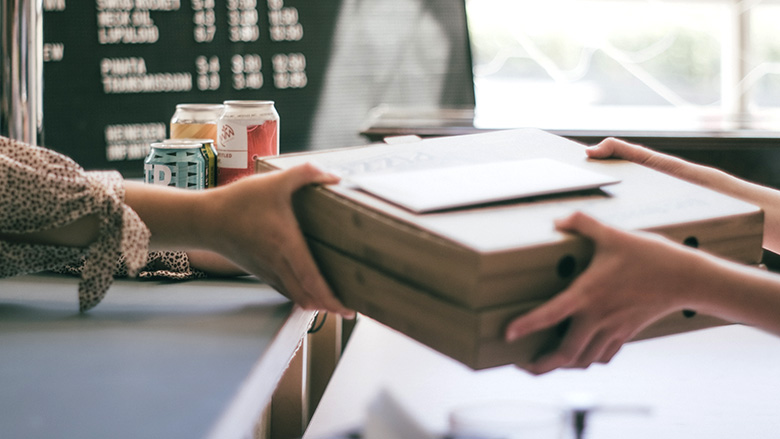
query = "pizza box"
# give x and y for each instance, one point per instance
(501, 251)
(472, 337)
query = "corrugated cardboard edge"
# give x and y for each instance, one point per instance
(473, 337)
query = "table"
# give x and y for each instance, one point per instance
(715, 383)
(156, 359)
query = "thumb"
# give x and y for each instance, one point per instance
(618, 149)
(602, 150)
(585, 225)
(305, 174)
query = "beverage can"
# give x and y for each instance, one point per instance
(246, 130)
(184, 163)
(195, 121)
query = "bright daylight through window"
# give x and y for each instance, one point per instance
(660, 65)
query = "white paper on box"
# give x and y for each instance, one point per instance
(429, 190)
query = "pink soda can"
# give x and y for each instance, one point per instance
(246, 130)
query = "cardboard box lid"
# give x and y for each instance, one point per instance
(502, 253)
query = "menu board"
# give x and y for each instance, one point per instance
(114, 70)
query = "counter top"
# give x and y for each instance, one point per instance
(716, 383)
(155, 359)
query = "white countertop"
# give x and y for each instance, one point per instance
(715, 383)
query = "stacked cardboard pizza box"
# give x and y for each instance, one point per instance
(453, 277)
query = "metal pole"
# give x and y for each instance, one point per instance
(21, 60)
(735, 64)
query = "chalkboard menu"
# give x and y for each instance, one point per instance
(114, 70)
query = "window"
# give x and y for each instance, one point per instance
(668, 65)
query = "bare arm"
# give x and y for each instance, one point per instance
(250, 223)
(214, 264)
(766, 198)
(79, 233)
(244, 227)
(635, 279)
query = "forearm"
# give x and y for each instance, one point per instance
(174, 216)
(182, 219)
(769, 200)
(737, 293)
(766, 198)
(79, 233)
(214, 264)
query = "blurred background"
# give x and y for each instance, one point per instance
(696, 78)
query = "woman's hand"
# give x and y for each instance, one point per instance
(633, 280)
(255, 228)
(250, 222)
(636, 278)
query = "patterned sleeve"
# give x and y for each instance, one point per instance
(168, 265)
(40, 190)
